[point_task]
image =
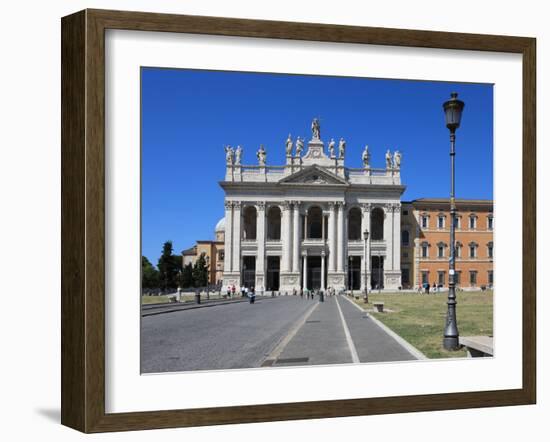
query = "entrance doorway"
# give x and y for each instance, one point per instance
(249, 271)
(354, 272)
(273, 265)
(377, 272)
(313, 272)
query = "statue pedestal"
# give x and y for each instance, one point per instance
(336, 280)
(288, 282)
(392, 280)
(231, 279)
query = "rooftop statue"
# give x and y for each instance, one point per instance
(262, 155)
(342, 148)
(366, 157)
(388, 160)
(289, 146)
(229, 155)
(331, 147)
(238, 155)
(316, 129)
(397, 159)
(299, 146)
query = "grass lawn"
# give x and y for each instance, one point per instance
(155, 299)
(185, 297)
(420, 318)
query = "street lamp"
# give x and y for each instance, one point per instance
(453, 113)
(365, 238)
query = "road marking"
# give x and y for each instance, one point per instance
(276, 352)
(405, 344)
(351, 345)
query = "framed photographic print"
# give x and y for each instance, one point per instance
(267, 221)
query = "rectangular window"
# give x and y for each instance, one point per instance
(424, 277)
(441, 222)
(490, 223)
(440, 252)
(457, 222)
(424, 222)
(424, 251)
(490, 277)
(457, 277)
(472, 222)
(473, 277)
(441, 278)
(221, 255)
(490, 251)
(472, 251)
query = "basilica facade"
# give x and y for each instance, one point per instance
(312, 223)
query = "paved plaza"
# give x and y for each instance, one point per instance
(273, 332)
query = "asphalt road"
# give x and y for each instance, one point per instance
(238, 335)
(282, 331)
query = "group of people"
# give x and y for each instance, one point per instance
(245, 292)
(426, 288)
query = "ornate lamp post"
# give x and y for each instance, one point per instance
(453, 113)
(365, 257)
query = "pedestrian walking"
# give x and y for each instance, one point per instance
(233, 290)
(245, 291)
(302, 293)
(251, 295)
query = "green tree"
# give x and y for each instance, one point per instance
(149, 274)
(168, 267)
(200, 271)
(186, 279)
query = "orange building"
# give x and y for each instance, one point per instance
(427, 220)
(213, 252)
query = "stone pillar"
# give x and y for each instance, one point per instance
(260, 248)
(228, 249)
(366, 264)
(231, 262)
(304, 276)
(236, 259)
(392, 235)
(323, 270)
(287, 238)
(296, 237)
(340, 241)
(397, 237)
(388, 236)
(332, 237)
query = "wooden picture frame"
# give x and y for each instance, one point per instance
(83, 220)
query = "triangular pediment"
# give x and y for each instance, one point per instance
(314, 175)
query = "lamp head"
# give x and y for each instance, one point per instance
(453, 112)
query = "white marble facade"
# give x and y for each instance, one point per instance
(302, 224)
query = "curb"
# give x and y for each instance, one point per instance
(405, 344)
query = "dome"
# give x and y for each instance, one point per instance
(220, 227)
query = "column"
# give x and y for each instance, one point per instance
(323, 270)
(397, 236)
(332, 237)
(236, 240)
(260, 239)
(388, 236)
(228, 235)
(365, 225)
(304, 276)
(340, 241)
(296, 237)
(287, 238)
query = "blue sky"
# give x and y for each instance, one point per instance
(189, 115)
